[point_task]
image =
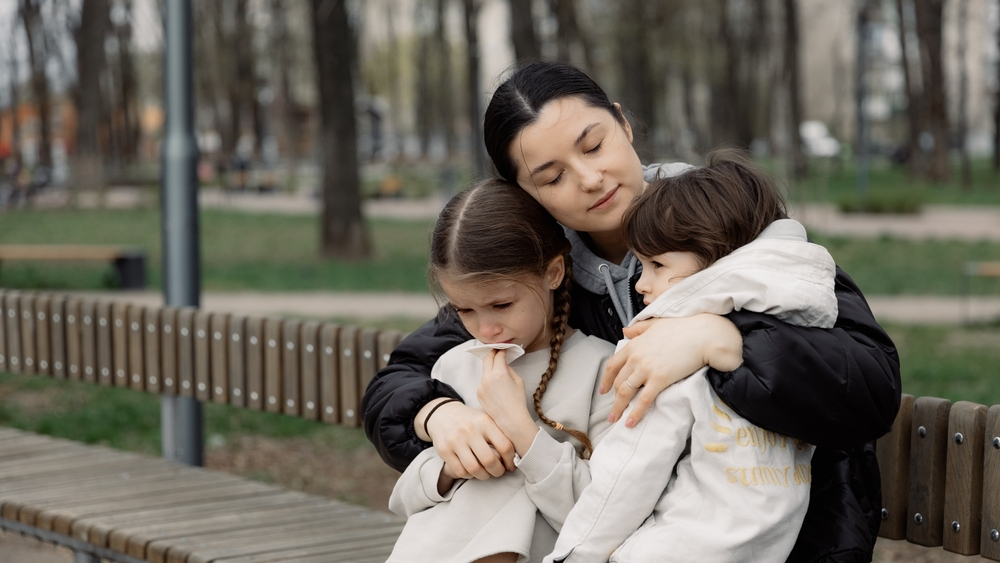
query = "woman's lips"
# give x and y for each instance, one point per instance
(605, 201)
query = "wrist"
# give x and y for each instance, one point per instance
(723, 347)
(521, 432)
(423, 416)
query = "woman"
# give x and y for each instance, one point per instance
(552, 130)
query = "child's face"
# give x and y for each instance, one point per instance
(513, 312)
(663, 271)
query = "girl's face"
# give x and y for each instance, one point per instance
(512, 312)
(663, 271)
(578, 162)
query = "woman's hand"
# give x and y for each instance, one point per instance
(502, 395)
(467, 439)
(665, 351)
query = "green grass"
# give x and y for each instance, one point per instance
(280, 253)
(836, 181)
(958, 363)
(239, 251)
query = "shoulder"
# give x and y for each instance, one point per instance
(664, 170)
(582, 350)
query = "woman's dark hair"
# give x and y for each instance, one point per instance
(709, 211)
(496, 231)
(517, 102)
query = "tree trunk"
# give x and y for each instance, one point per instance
(424, 19)
(794, 82)
(343, 231)
(929, 29)
(90, 64)
(522, 31)
(570, 33)
(913, 98)
(15, 103)
(962, 131)
(31, 17)
(285, 115)
(636, 91)
(996, 117)
(471, 10)
(129, 90)
(446, 110)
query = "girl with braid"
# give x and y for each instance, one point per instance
(503, 265)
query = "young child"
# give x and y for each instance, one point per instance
(503, 263)
(693, 480)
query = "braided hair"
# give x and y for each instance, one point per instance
(495, 230)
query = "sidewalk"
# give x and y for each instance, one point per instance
(912, 309)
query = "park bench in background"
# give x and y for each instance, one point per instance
(940, 463)
(129, 263)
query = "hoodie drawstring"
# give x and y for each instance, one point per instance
(606, 272)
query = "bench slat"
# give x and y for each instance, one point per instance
(387, 342)
(290, 368)
(119, 340)
(57, 336)
(309, 368)
(329, 372)
(106, 345)
(350, 376)
(272, 365)
(236, 360)
(11, 305)
(43, 345)
(373, 549)
(255, 363)
(202, 356)
(151, 343)
(220, 357)
(3, 331)
(136, 355)
(88, 340)
(928, 444)
(893, 451)
(169, 369)
(368, 362)
(185, 351)
(963, 496)
(990, 542)
(74, 345)
(28, 350)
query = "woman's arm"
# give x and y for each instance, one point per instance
(465, 438)
(835, 388)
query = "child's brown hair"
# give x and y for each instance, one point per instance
(495, 230)
(709, 211)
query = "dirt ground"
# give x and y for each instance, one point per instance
(359, 477)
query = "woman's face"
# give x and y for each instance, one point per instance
(578, 162)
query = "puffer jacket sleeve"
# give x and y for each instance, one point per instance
(834, 387)
(401, 389)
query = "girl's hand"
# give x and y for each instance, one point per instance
(469, 442)
(502, 395)
(665, 351)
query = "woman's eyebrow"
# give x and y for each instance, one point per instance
(576, 143)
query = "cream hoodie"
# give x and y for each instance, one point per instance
(694, 481)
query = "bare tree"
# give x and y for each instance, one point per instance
(794, 85)
(963, 95)
(522, 30)
(637, 92)
(929, 16)
(913, 99)
(996, 115)
(445, 103)
(471, 12)
(570, 34)
(13, 72)
(30, 12)
(127, 121)
(90, 64)
(343, 231)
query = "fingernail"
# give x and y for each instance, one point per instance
(629, 423)
(601, 390)
(611, 417)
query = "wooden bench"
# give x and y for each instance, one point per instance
(129, 263)
(127, 507)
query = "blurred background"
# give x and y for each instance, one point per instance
(880, 117)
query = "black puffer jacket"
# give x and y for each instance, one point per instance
(838, 389)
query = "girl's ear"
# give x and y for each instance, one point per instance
(625, 124)
(555, 272)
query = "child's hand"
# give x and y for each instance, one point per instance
(665, 351)
(470, 443)
(501, 394)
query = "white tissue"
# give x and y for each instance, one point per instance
(514, 351)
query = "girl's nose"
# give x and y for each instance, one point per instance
(490, 328)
